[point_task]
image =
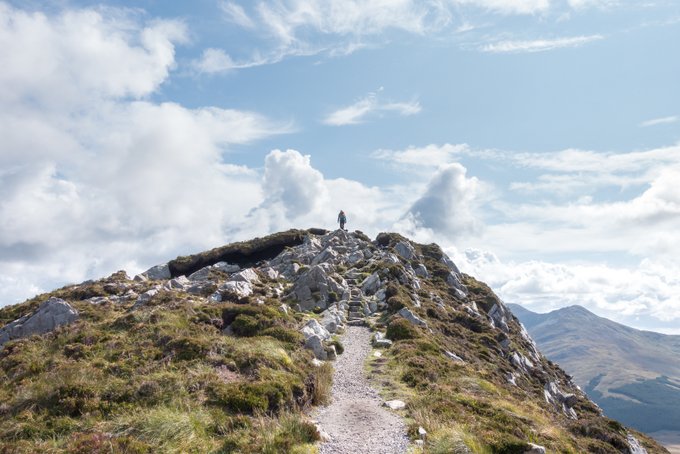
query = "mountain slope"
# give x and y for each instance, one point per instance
(226, 351)
(633, 375)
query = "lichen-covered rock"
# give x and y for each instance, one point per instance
(534, 449)
(315, 344)
(52, 313)
(248, 275)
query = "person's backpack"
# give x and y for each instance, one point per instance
(343, 218)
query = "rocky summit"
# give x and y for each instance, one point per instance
(234, 350)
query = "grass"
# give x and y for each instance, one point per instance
(162, 378)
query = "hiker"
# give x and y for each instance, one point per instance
(342, 219)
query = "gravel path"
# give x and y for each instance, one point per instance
(355, 420)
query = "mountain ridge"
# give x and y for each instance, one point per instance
(630, 373)
(225, 351)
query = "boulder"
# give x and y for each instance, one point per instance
(453, 279)
(248, 275)
(314, 286)
(355, 257)
(395, 404)
(634, 445)
(371, 284)
(379, 340)
(178, 283)
(313, 328)
(226, 267)
(314, 344)
(241, 289)
(158, 272)
(200, 275)
(534, 449)
(421, 271)
(411, 317)
(498, 315)
(270, 273)
(449, 264)
(145, 298)
(405, 250)
(52, 313)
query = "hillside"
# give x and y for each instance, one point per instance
(633, 375)
(232, 350)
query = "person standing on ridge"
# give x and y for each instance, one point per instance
(342, 219)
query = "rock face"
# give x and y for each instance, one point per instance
(52, 313)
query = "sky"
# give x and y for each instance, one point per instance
(537, 141)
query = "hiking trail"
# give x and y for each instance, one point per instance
(355, 421)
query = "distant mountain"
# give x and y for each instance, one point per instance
(633, 375)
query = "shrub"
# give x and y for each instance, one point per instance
(251, 397)
(187, 348)
(283, 334)
(245, 325)
(400, 329)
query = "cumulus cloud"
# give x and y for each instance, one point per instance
(92, 173)
(447, 205)
(370, 105)
(538, 45)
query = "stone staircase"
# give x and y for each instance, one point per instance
(355, 312)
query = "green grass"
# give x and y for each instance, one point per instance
(162, 378)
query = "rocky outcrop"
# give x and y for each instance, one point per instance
(52, 313)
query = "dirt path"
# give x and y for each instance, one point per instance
(355, 420)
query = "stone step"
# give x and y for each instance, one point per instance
(357, 323)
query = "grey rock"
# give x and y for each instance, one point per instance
(411, 317)
(379, 340)
(454, 357)
(226, 267)
(449, 264)
(270, 273)
(313, 287)
(202, 288)
(145, 298)
(140, 278)
(241, 289)
(158, 272)
(534, 449)
(405, 250)
(498, 315)
(247, 275)
(454, 281)
(395, 404)
(314, 344)
(371, 284)
(313, 328)
(355, 257)
(421, 271)
(52, 313)
(634, 445)
(178, 283)
(200, 275)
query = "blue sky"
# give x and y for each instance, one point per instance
(536, 140)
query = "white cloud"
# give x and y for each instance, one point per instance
(42, 67)
(448, 204)
(583, 4)
(367, 106)
(509, 6)
(236, 14)
(660, 121)
(645, 295)
(92, 175)
(429, 156)
(538, 45)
